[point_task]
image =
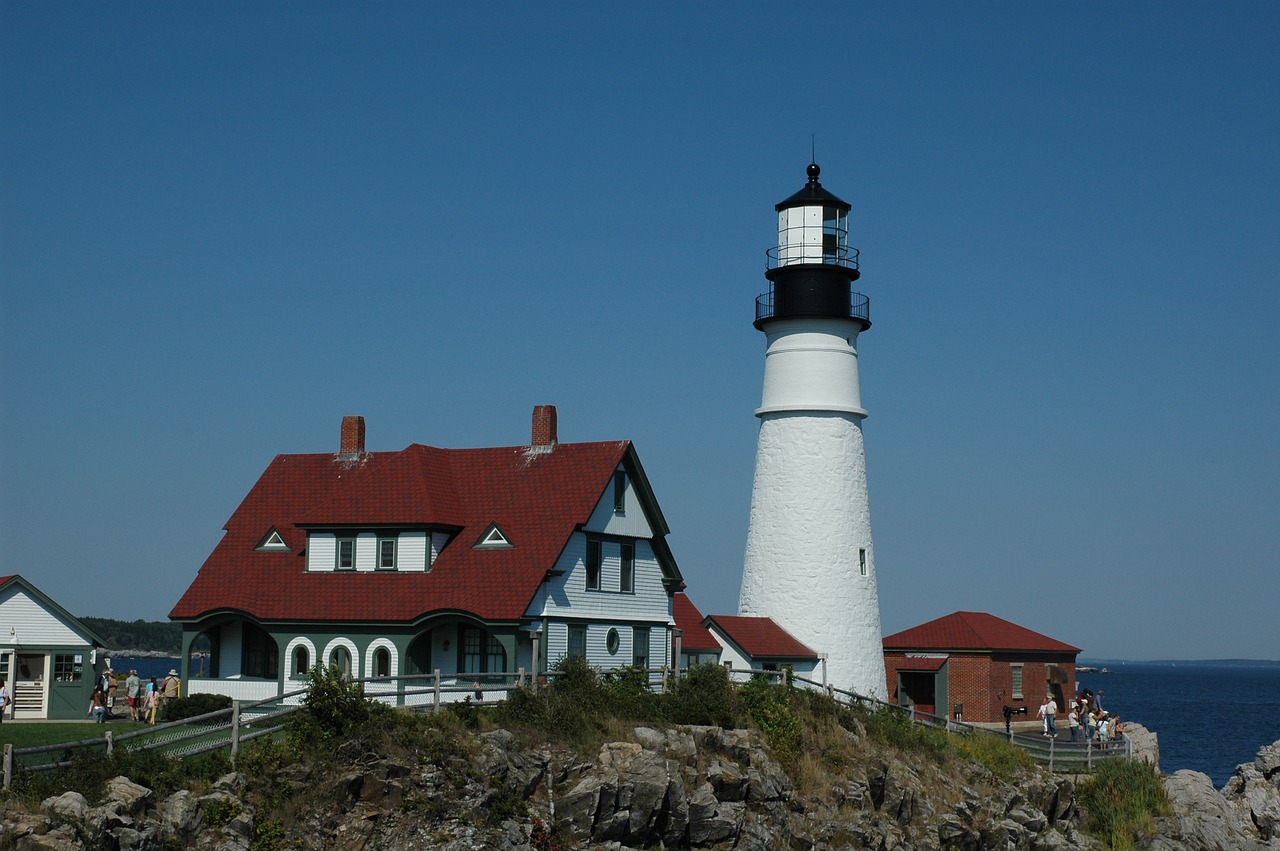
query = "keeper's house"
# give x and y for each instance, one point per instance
(48, 658)
(473, 562)
(968, 666)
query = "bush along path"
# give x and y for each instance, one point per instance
(577, 767)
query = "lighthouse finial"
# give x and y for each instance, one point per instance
(813, 171)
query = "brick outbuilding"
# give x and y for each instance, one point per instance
(968, 666)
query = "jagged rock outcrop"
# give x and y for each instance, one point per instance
(684, 787)
(1243, 816)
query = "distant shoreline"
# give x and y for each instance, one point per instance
(1230, 663)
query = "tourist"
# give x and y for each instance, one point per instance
(98, 704)
(132, 686)
(1073, 717)
(1104, 730)
(5, 700)
(153, 696)
(172, 686)
(1048, 710)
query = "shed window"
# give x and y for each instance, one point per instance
(68, 667)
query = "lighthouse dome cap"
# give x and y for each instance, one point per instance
(812, 194)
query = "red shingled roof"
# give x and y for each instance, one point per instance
(689, 621)
(760, 638)
(537, 499)
(973, 631)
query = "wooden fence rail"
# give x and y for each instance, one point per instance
(245, 721)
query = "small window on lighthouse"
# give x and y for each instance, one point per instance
(862, 561)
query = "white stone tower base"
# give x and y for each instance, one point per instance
(809, 540)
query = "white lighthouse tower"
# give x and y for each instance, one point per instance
(809, 561)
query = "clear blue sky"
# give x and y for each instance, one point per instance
(223, 226)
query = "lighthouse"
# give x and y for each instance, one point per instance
(809, 563)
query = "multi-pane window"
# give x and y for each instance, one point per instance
(301, 661)
(627, 579)
(496, 658)
(340, 660)
(346, 554)
(619, 492)
(578, 642)
(1016, 671)
(472, 646)
(68, 667)
(386, 553)
(259, 653)
(594, 559)
(381, 662)
(640, 647)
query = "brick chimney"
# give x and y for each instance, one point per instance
(544, 425)
(352, 443)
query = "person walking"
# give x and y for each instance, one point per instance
(132, 685)
(98, 704)
(1048, 710)
(172, 686)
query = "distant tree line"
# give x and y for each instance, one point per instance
(160, 636)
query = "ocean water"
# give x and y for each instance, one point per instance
(1210, 716)
(147, 667)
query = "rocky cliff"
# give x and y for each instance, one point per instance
(680, 787)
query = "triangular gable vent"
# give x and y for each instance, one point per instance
(494, 539)
(273, 543)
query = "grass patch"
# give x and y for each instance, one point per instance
(1121, 799)
(30, 735)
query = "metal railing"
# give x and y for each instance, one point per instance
(859, 305)
(1058, 756)
(805, 252)
(244, 721)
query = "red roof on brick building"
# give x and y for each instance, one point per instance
(973, 631)
(536, 496)
(689, 621)
(760, 638)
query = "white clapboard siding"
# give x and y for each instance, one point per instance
(411, 552)
(631, 522)
(566, 595)
(33, 624)
(322, 552)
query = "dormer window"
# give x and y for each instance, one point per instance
(493, 539)
(386, 554)
(272, 543)
(346, 554)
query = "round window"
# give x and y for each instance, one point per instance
(611, 641)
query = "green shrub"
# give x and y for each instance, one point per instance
(179, 708)
(704, 695)
(337, 709)
(1002, 758)
(1121, 799)
(772, 709)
